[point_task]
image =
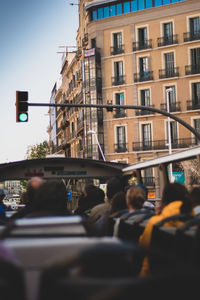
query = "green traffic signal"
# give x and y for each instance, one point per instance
(23, 117)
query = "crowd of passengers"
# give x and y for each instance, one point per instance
(102, 212)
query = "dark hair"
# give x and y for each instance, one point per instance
(51, 196)
(135, 197)
(114, 185)
(195, 196)
(91, 191)
(118, 202)
(177, 191)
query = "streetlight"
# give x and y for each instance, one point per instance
(169, 131)
(93, 132)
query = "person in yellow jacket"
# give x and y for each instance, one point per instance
(175, 200)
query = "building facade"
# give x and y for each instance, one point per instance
(138, 52)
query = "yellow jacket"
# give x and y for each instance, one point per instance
(171, 209)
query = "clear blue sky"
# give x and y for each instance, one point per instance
(30, 35)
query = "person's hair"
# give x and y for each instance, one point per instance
(118, 202)
(114, 185)
(195, 196)
(174, 192)
(100, 195)
(144, 188)
(31, 189)
(91, 191)
(135, 197)
(51, 196)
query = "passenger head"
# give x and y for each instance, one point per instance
(135, 198)
(195, 196)
(174, 192)
(51, 197)
(32, 186)
(90, 191)
(114, 185)
(118, 202)
(144, 188)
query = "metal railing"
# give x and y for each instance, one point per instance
(118, 80)
(116, 50)
(163, 144)
(148, 181)
(142, 45)
(191, 36)
(143, 76)
(169, 72)
(192, 69)
(173, 107)
(193, 104)
(119, 113)
(167, 40)
(121, 147)
(144, 112)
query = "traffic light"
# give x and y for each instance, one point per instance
(21, 106)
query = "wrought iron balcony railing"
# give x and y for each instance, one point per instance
(193, 104)
(191, 36)
(148, 181)
(119, 113)
(173, 107)
(118, 80)
(142, 45)
(121, 147)
(116, 50)
(144, 112)
(192, 69)
(169, 72)
(167, 40)
(163, 144)
(143, 76)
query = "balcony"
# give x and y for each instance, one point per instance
(163, 144)
(144, 112)
(191, 36)
(121, 147)
(193, 104)
(120, 113)
(167, 40)
(169, 72)
(118, 80)
(85, 40)
(117, 50)
(143, 76)
(142, 45)
(192, 69)
(173, 107)
(148, 181)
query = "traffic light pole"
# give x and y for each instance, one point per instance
(110, 107)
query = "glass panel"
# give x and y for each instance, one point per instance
(121, 136)
(126, 7)
(169, 61)
(100, 13)
(172, 97)
(145, 97)
(119, 9)
(174, 1)
(106, 12)
(149, 3)
(168, 30)
(112, 10)
(141, 4)
(195, 56)
(166, 2)
(158, 3)
(94, 15)
(133, 5)
(117, 40)
(146, 135)
(196, 93)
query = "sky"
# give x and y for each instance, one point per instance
(31, 33)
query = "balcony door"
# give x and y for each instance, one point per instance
(117, 40)
(119, 100)
(146, 136)
(174, 134)
(121, 137)
(144, 67)
(195, 58)
(172, 97)
(196, 93)
(168, 33)
(118, 69)
(169, 64)
(194, 27)
(145, 97)
(142, 36)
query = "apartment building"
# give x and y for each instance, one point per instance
(138, 52)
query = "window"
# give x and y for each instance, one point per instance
(149, 3)
(142, 36)
(127, 7)
(118, 70)
(195, 57)
(141, 4)
(119, 100)
(196, 93)
(117, 40)
(112, 10)
(145, 97)
(119, 8)
(100, 13)
(197, 127)
(169, 64)
(144, 66)
(146, 136)
(106, 12)
(121, 138)
(172, 97)
(194, 27)
(133, 5)
(94, 15)
(174, 133)
(168, 33)
(93, 43)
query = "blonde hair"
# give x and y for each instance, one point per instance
(135, 197)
